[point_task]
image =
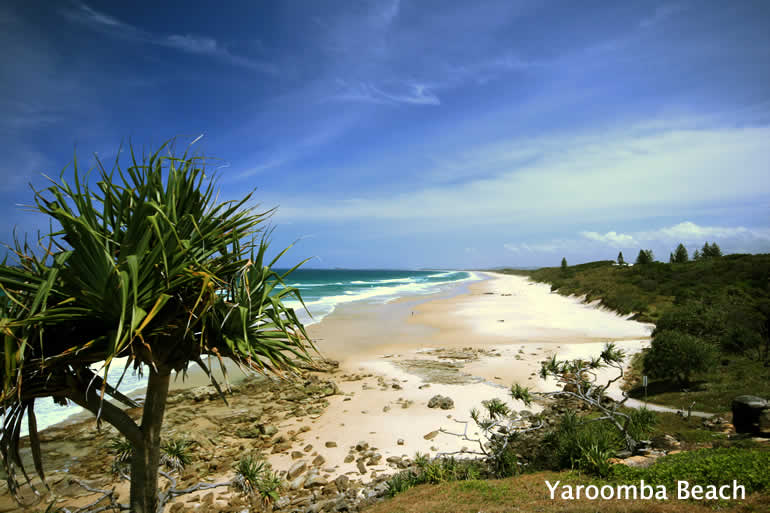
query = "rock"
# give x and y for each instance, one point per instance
(296, 469)
(400, 441)
(746, 412)
(308, 448)
(295, 455)
(281, 447)
(362, 446)
(665, 442)
(342, 482)
(176, 507)
(315, 481)
(361, 466)
(318, 461)
(331, 444)
(268, 429)
(349, 458)
(386, 409)
(393, 459)
(297, 483)
(431, 435)
(396, 386)
(638, 461)
(440, 401)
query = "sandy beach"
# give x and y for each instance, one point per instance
(515, 323)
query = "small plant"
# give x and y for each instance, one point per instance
(123, 451)
(176, 453)
(253, 477)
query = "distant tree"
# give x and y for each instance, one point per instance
(696, 255)
(564, 263)
(620, 259)
(711, 250)
(670, 258)
(678, 355)
(680, 256)
(644, 257)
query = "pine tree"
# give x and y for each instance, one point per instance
(716, 251)
(706, 251)
(696, 255)
(645, 256)
(620, 259)
(680, 256)
(670, 258)
(564, 264)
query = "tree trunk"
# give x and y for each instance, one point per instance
(146, 460)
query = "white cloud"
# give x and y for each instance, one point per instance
(614, 239)
(409, 93)
(636, 172)
(198, 45)
(737, 239)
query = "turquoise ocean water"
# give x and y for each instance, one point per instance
(321, 290)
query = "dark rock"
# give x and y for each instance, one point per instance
(440, 401)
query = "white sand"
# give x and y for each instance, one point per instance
(537, 324)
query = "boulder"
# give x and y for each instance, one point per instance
(747, 410)
(440, 401)
(296, 469)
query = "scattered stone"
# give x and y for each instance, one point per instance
(295, 455)
(440, 401)
(342, 482)
(361, 466)
(431, 435)
(400, 441)
(308, 448)
(315, 481)
(296, 469)
(331, 444)
(318, 461)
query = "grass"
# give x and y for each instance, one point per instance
(529, 494)
(711, 391)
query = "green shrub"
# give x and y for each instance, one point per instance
(642, 422)
(678, 355)
(706, 466)
(576, 444)
(176, 453)
(254, 477)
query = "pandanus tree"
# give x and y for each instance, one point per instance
(145, 266)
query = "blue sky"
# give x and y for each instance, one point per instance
(406, 134)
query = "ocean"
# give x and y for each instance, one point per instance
(321, 290)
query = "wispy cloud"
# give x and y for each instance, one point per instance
(731, 238)
(580, 177)
(415, 94)
(193, 44)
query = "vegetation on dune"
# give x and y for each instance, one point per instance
(712, 314)
(146, 265)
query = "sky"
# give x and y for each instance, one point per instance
(414, 134)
